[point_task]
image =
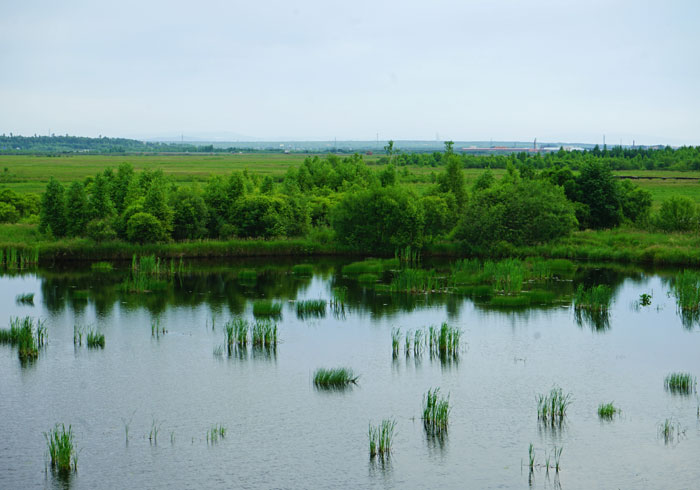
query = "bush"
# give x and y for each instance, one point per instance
(678, 213)
(260, 216)
(598, 190)
(100, 230)
(145, 228)
(189, 214)
(8, 213)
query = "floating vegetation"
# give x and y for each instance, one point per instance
(645, 299)
(215, 433)
(680, 383)
(436, 412)
(303, 270)
(334, 378)
(63, 456)
(607, 410)
(25, 298)
(670, 430)
(264, 334)
(265, 307)
(311, 308)
(95, 340)
(101, 267)
(381, 438)
(596, 298)
(27, 335)
(552, 406)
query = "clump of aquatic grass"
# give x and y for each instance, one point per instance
(532, 459)
(215, 433)
(418, 337)
(127, 424)
(25, 298)
(338, 299)
(408, 256)
(101, 266)
(78, 332)
(552, 407)
(61, 446)
(670, 430)
(13, 258)
(303, 270)
(682, 383)
(644, 299)
(153, 434)
(607, 410)
(506, 275)
(381, 438)
(264, 334)
(370, 266)
(236, 334)
(334, 378)
(219, 351)
(395, 341)
(436, 411)
(417, 281)
(367, 278)
(156, 329)
(248, 276)
(523, 299)
(95, 339)
(596, 298)
(265, 307)
(311, 308)
(27, 335)
(686, 289)
(444, 341)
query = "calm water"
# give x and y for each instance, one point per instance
(284, 433)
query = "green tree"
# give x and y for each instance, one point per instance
(8, 213)
(145, 228)
(156, 204)
(679, 213)
(78, 211)
(388, 175)
(261, 216)
(189, 214)
(437, 215)
(52, 219)
(598, 190)
(101, 205)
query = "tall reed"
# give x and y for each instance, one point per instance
(334, 378)
(436, 411)
(61, 447)
(552, 407)
(381, 438)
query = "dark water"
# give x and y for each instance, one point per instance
(284, 433)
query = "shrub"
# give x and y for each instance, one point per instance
(144, 228)
(101, 230)
(8, 213)
(679, 213)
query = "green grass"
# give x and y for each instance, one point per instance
(101, 266)
(607, 410)
(63, 455)
(266, 307)
(311, 308)
(95, 340)
(247, 275)
(417, 281)
(367, 278)
(507, 275)
(381, 438)
(27, 335)
(686, 289)
(334, 378)
(264, 334)
(25, 298)
(236, 334)
(303, 270)
(681, 383)
(444, 341)
(595, 298)
(670, 429)
(436, 411)
(370, 266)
(215, 433)
(552, 407)
(395, 341)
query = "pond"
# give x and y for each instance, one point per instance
(166, 368)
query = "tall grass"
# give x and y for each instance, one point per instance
(369, 266)
(14, 258)
(607, 410)
(381, 438)
(265, 307)
(147, 274)
(408, 256)
(101, 267)
(25, 298)
(303, 270)
(552, 407)
(27, 335)
(417, 281)
(215, 433)
(95, 339)
(436, 411)
(681, 383)
(395, 341)
(264, 334)
(506, 275)
(236, 334)
(311, 308)
(595, 298)
(61, 447)
(686, 290)
(334, 378)
(444, 341)
(247, 276)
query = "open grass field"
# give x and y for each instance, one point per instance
(29, 173)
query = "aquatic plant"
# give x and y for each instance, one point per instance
(370, 266)
(395, 341)
(408, 256)
(686, 289)
(236, 334)
(25, 298)
(248, 276)
(436, 411)
(595, 298)
(444, 341)
(156, 329)
(215, 433)
(334, 378)
(607, 410)
(27, 336)
(506, 275)
(63, 456)
(303, 270)
(265, 307)
(670, 430)
(153, 434)
(95, 339)
(552, 407)
(311, 308)
(417, 281)
(381, 438)
(264, 334)
(418, 336)
(681, 383)
(101, 266)
(644, 299)
(367, 278)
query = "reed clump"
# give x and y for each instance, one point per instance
(370, 266)
(101, 266)
(681, 383)
(334, 377)
(264, 334)
(215, 433)
(417, 281)
(596, 298)
(436, 411)
(27, 335)
(303, 270)
(607, 410)
(444, 341)
(236, 334)
(95, 340)
(311, 308)
(265, 307)
(381, 438)
(63, 456)
(247, 276)
(686, 290)
(551, 407)
(25, 298)
(395, 341)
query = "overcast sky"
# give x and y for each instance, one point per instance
(464, 70)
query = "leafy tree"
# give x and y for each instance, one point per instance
(388, 175)
(261, 216)
(437, 215)
(8, 213)
(156, 204)
(452, 180)
(100, 230)
(679, 213)
(189, 214)
(101, 205)
(598, 190)
(379, 219)
(145, 228)
(78, 211)
(635, 202)
(120, 187)
(52, 219)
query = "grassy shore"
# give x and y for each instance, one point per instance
(620, 245)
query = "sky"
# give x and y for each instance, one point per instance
(316, 70)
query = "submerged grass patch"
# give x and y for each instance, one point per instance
(381, 438)
(436, 411)
(686, 290)
(552, 407)
(95, 340)
(607, 410)
(334, 377)
(265, 307)
(681, 383)
(61, 447)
